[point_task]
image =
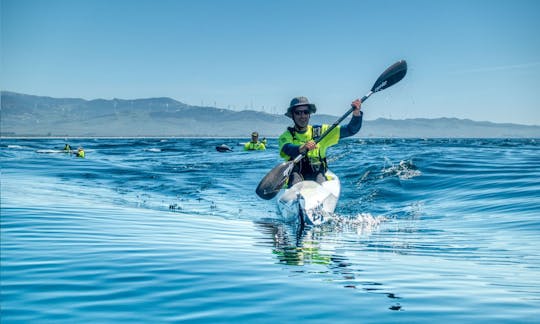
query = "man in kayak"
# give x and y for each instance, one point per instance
(300, 139)
(79, 153)
(255, 144)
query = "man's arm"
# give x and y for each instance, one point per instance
(352, 127)
(292, 150)
(356, 121)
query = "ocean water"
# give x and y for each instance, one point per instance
(170, 230)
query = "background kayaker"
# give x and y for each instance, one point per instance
(67, 148)
(300, 139)
(255, 144)
(79, 153)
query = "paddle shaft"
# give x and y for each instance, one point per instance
(334, 125)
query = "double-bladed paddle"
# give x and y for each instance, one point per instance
(276, 178)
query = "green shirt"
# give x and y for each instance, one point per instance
(251, 146)
(301, 138)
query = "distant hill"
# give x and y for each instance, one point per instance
(27, 115)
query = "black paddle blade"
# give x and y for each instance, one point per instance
(390, 76)
(270, 185)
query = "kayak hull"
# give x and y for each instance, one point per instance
(309, 202)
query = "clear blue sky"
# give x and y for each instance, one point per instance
(476, 59)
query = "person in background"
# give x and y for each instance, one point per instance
(67, 148)
(255, 144)
(79, 153)
(300, 139)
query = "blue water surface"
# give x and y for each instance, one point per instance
(169, 230)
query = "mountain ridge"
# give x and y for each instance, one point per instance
(29, 115)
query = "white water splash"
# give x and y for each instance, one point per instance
(404, 170)
(363, 223)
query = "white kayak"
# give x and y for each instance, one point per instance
(52, 151)
(310, 202)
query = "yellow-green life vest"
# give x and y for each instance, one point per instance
(80, 154)
(316, 155)
(250, 146)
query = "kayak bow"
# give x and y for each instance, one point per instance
(309, 202)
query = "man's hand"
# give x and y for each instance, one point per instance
(311, 145)
(357, 105)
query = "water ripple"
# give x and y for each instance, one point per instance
(169, 230)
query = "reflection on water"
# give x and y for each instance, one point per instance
(295, 244)
(316, 250)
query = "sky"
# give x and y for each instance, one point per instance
(468, 59)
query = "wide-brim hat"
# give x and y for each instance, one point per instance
(300, 101)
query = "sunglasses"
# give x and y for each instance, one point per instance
(302, 112)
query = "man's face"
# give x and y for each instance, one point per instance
(301, 116)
